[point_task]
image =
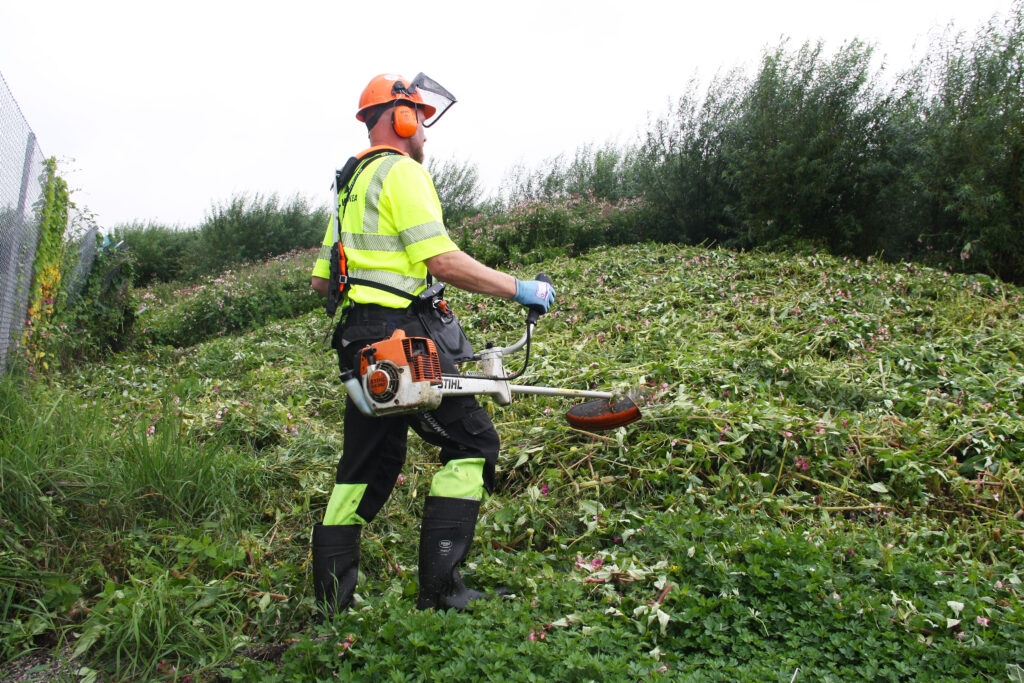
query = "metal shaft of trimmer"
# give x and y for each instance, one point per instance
(548, 391)
(501, 391)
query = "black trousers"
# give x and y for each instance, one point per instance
(374, 448)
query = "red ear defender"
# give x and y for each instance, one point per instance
(404, 121)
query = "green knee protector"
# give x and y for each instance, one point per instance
(341, 509)
(460, 479)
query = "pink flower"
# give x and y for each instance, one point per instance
(543, 489)
(345, 645)
(151, 430)
(596, 562)
(983, 622)
(787, 435)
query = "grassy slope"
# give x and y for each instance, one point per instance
(825, 480)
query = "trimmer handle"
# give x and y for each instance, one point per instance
(536, 311)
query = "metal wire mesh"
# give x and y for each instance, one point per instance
(21, 187)
(83, 265)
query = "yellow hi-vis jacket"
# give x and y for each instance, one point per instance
(391, 225)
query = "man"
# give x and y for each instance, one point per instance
(390, 226)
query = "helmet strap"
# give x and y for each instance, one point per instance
(374, 115)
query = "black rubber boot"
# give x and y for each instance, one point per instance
(335, 565)
(445, 540)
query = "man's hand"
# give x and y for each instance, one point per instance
(534, 293)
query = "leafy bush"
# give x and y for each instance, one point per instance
(242, 230)
(98, 322)
(681, 166)
(70, 320)
(605, 173)
(159, 252)
(970, 173)
(534, 230)
(458, 187)
(246, 230)
(802, 153)
(812, 150)
(53, 208)
(183, 315)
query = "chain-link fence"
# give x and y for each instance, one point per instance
(21, 165)
(83, 265)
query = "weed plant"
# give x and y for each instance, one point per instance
(827, 479)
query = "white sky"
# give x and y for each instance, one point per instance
(161, 109)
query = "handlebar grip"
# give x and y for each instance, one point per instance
(535, 311)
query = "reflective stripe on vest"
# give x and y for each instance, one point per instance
(377, 242)
(371, 218)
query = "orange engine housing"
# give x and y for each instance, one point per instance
(417, 353)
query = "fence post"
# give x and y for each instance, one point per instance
(11, 281)
(30, 147)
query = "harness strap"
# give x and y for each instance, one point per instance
(346, 281)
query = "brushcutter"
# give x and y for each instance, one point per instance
(402, 374)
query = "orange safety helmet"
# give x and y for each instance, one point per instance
(386, 88)
(389, 88)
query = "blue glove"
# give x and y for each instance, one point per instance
(534, 293)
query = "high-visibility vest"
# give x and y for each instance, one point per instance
(391, 222)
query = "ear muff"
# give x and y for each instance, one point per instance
(404, 121)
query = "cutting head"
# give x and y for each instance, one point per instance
(602, 414)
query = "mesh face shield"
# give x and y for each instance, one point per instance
(433, 94)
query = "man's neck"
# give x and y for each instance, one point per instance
(379, 148)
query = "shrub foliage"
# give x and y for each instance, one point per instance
(827, 150)
(242, 230)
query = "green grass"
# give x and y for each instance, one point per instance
(827, 478)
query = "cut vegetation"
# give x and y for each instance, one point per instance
(827, 479)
